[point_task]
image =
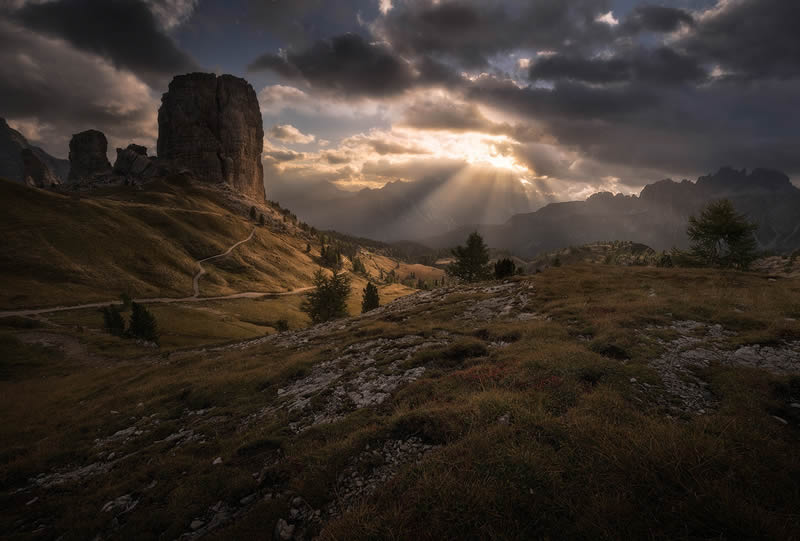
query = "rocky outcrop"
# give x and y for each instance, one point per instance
(133, 161)
(12, 166)
(35, 172)
(87, 156)
(211, 125)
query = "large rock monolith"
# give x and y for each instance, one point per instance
(87, 156)
(211, 125)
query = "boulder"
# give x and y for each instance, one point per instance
(87, 156)
(132, 161)
(35, 171)
(212, 126)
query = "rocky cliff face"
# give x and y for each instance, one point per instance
(35, 172)
(87, 156)
(212, 126)
(12, 166)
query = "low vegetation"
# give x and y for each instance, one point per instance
(528, 423)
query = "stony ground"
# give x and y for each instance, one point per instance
(296, 431)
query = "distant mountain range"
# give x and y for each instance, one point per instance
(12, 166)
(410, 210)
(656, 217)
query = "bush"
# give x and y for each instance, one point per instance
(281, 325)
(370, 300)
(504, 268)
(329, 298)
(252, 213)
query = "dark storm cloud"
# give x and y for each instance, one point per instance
(299, 23)
(751, 38)
(657, 19)
(600, 70)
(48, 83)
(661, 65)
(470, 32)
(124, 31)
(345, 64)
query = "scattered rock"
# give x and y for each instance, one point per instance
(283, 530)
(217, 461)
(133, 162)
(196, 524)
(123, 504)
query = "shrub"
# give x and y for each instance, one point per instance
(504, 268)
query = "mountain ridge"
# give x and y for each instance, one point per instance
(656, 217)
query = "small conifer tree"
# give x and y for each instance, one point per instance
(370, 300)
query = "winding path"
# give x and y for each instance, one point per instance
(202, 271)
(167, 300)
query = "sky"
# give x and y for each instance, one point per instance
(567, 97)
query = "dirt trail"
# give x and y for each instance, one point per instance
(202, 271)
(167, 300)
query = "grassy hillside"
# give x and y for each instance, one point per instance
(584, 403)
(66, 249)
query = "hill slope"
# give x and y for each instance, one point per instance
(585, 403)
(71, 248)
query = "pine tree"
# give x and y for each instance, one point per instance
(328, 300)
(112, 321)
(370, 300)
(261, 219)
(252, 213)
(721, 237)
(143, 323)
(472, 260)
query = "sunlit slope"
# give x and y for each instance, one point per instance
(71, 249)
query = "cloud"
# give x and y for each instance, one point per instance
(45, 82)
(657, 19)
(471, 32)
(661, 65)
(749, 38)
(346, 64)
(283, 155)
(126, 32)
(172, 13)
(289, 134)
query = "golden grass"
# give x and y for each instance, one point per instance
(578, 457)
